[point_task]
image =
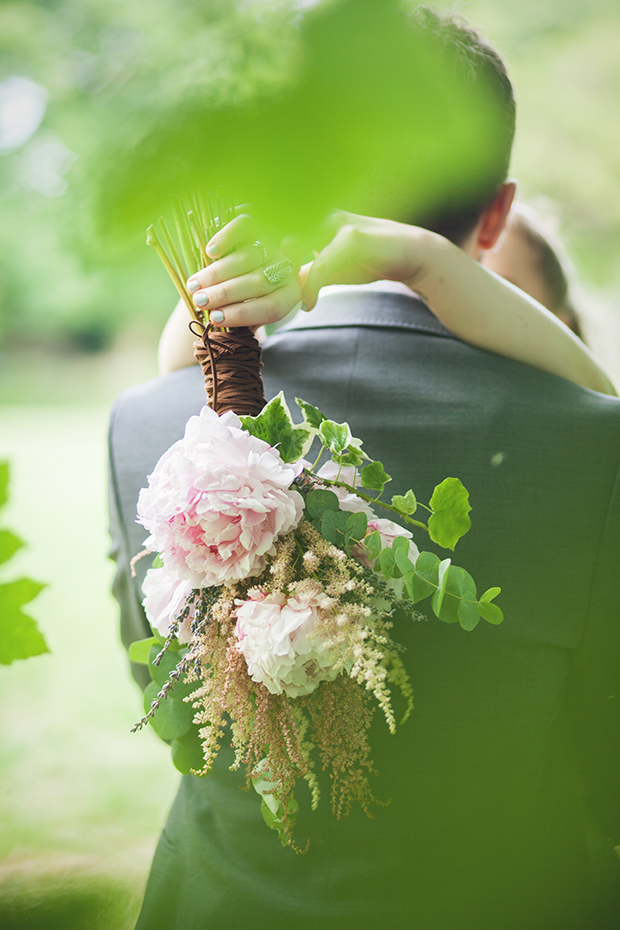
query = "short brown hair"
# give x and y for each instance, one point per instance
(477, 63)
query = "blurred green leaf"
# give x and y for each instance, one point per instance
(140, 650)
(20, 637)
(9, 545)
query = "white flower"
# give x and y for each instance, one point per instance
(164, 599)
(217, 501)
(278, 638)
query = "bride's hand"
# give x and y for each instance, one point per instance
(252, 284)
(364, 249)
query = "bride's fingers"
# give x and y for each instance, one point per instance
(244, 260)
(242, 229)
(267, 309)
(343, 250)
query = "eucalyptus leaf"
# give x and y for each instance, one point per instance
(489, 594)
(387, 562)
(467, 613)
(449, 520)
(161, 673)
(442, 579)
(405, 503)
(490, 612)
(172, 719)
(139, 651)
(425, 578)
(403, 561)
(356, 525)
(187, 752)
(274, 426)
(374, 476)
(372, 543)
(318, 501)
(333, 526)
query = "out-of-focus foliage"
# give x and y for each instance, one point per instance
(107, 68)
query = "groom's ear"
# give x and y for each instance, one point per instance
(493, 219)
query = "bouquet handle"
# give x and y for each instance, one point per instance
(231, 364)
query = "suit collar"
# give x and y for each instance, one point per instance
(375, 309)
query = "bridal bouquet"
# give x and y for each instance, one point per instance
(274, 589)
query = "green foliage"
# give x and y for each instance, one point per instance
(374, 477)
(139, 652)
(405, 504)
(274, 425)
(318, 501)
(272, 807)
(336, 437)
(173, 718)
(449, 520)
(187, 752)
(312, 415)
(20, 637)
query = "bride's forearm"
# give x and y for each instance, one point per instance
(485, 310)
(176, 345)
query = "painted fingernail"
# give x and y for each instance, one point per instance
(193, 285)
(217, 316)
(305, 309)
(212, 248)
(201, 300)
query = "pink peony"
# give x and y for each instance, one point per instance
(164, 599)
(217, 501)
(278, 638)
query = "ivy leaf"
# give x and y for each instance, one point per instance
(449, 520)
(374, 476)
(139, 651)
(335, 436)
(425, 577)
(490, 612)
(405, 503)
(467, 613)
(312, 415)
(9, 545)
(20, 636)
(318, 501)
(172, 719)
(442, 579)
(275, 426)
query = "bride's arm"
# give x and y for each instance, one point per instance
(475, 304)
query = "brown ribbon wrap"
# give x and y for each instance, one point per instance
(231, 364)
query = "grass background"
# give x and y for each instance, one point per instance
(82, 800)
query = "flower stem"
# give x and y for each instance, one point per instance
(370, 500)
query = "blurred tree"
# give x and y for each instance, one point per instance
(101, 70)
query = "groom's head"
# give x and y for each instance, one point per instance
(474, 217)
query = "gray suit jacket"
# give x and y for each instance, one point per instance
(504, 785)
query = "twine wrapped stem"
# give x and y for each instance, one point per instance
(231, 364)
